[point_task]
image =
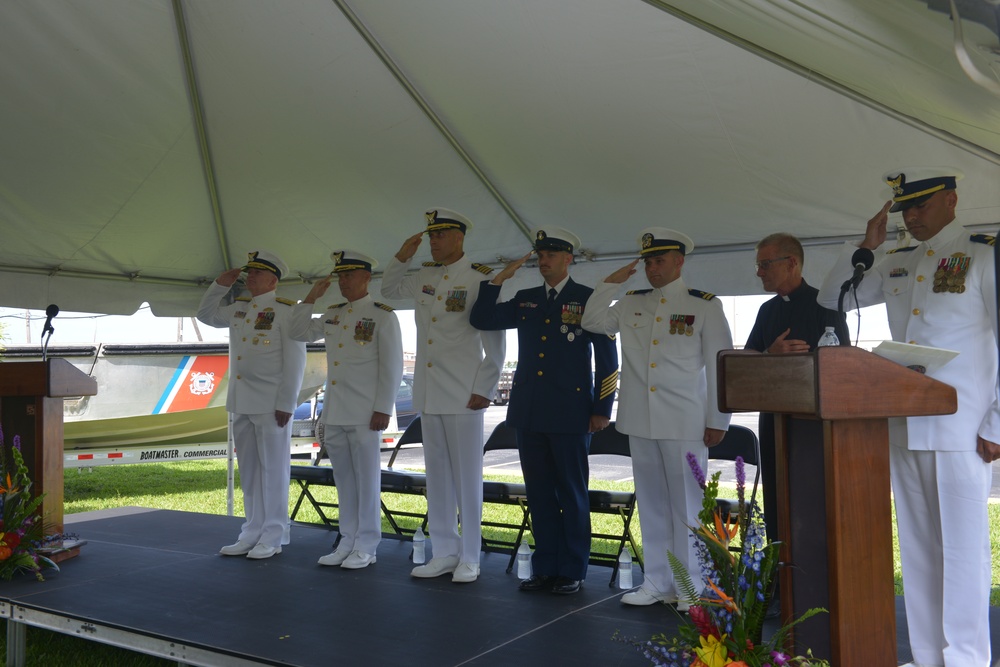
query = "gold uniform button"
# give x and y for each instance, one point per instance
(656, 342)
(244, 339)
(248, 321)
(652, 388)
(916, 311)
(446, 276)
(920, 279)
(238, 357)
(434, 319)
(332, 382)
(345, 327)
(540, 373)
(239, 377)
(350, 310)
(336, 363)
(546, 321)
(913, 342)
(653, 365)
(340, 345)
(541, 355)
(430, 341)
(543, 338)
(663, 300)
(429, 364)
(659, 319)
(895, 290)
(578, 389)
(439, 297)
(930, 253)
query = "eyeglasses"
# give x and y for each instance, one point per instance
(766, 263)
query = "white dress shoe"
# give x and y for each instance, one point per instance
(358, 560)
(465, 573)
(262, 551)
(436, 567)
(335, 558)
(237, 549)
(642, 597)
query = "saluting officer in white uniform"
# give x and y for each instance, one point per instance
(265, 374)
(939, 292)
(364, 364)
(670, 336)
(455, 376)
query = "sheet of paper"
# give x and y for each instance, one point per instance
(918, 357)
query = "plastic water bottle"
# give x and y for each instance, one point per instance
(523, 561)
(625, 570)
(828, 338)
(419, 547)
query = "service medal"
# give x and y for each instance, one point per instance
(563, 329)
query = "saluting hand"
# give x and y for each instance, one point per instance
(227, 278)
(510, 270)
(319, 288)
(875, 233)
(409, 248)
(623, 274)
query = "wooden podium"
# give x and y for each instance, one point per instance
(834, 516)
(31, 406)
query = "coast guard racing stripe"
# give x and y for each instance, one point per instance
(193, 384)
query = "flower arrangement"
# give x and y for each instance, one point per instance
(22, 533)
(725, 623)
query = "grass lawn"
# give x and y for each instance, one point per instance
(200, 486)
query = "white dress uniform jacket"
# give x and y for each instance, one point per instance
(364, 352)
(963, 320)
(265, 364)
(454, 360)
(668, 380)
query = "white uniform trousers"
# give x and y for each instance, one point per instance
(263, 451)
(944, 546)
(669, 500)
(453, 453)
(355, 457)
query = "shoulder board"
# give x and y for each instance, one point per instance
(482, 268)
(903, 249)
(243, 298)
(983, 238)
(633, 292)
(384, 307)
(707, 296)
(432, 264)
(287, 302)
(337, 305)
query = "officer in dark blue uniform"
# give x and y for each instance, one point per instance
(556, 403)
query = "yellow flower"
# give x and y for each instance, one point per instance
(713, 652)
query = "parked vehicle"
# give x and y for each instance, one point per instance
(503, 388)
(307, 417)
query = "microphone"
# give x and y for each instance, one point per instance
(51, 312)
(862, 259)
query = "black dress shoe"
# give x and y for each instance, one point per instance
(536, 582)
(566, 586)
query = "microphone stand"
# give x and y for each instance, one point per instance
(46, 337)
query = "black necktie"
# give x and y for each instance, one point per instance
(552, 297)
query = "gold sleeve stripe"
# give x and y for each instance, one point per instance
(609, 385)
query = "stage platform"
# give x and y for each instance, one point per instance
(152, 580)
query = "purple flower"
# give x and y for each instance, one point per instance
(1, 436)
(699, 474)
(17, 442)
(741, 473)
(779, 658)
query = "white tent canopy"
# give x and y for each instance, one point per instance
(148, 145)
